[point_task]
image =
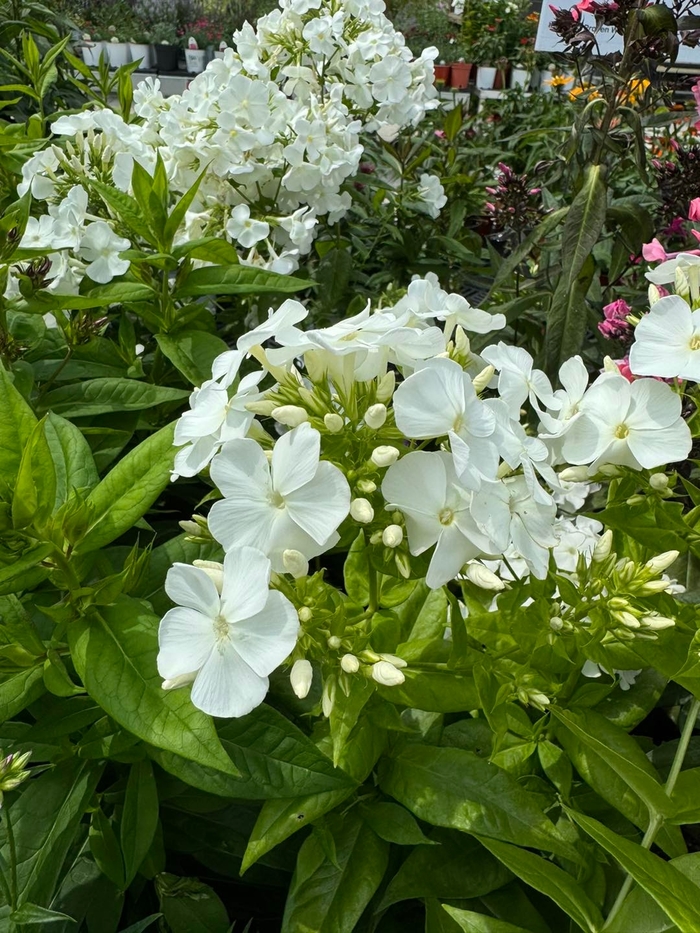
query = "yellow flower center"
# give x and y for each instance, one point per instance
(695, 342)
(621, 431)
(446, 516)
(221, 630)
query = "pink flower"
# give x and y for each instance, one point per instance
(696, 93)
(676, 227)
(624, 366)
(440, 134)
(615, 324)
(653, 251)
(694, 209)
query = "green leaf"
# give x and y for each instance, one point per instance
(114, 652)
(105, 849)
(566, 321)
(345, 712)
(99, 396)
(72, 458)
(459, 867)
(139, 817)
(521, 253)
(434, 691)
(18, 690)
(238, 280)
(45, 820)
(35, 487)
(273, 757)
(142, 924)
(671, 890)
(549, 879)
(192, 352)
(327, 898)
(32, 913)
(455, 788)
(394, 824)
(13, 575)
(617, 769)
(471, 922)
(192, 907)
(17, 422)
(126, 208)
(129, 490)
(641, 913)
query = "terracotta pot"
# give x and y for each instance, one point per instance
(459, 75)
(442, 75)
(500, 81)
(166, 57)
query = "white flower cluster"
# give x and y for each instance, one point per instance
(274, 126)
(356, 403)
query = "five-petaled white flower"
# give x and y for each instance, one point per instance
(227, 642)
(667, 341)
(295, 502)
(245, 229)
(100, 247)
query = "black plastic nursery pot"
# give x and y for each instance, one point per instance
(166, 57)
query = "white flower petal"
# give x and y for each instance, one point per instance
(321, 505)
(226, 686)
(185, 640)
(246, 583)
(265, 640)
(295, 458)
(191, 587)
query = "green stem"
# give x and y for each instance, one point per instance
(13, 857)
(373, 587)
(657, 820)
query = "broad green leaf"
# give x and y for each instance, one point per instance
(24, 572)
(621, 752)
(457, 789)
(551, 880)
(566, 322)
(114, 652)
(31, 914)
(627, 708)
(273, 757)
(72, 458)
(99, 396)
(139, 817)
(521, 253)
(346, 711)
(192, 352)
(471, 922)
(126, 208)
(330, 898)
(18, 690)
(45, 819)
(237, 280)
(142, 924)
(614, 765)
(17, 422)
(129, 490)
(192, 907)
(459, 867)
(641, 913)
(34, 494)
(672, 891)
(393, 823)
(434, 692)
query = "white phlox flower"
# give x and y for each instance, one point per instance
(295, 502)
(667, 341)
(424, 487)
(518, 380)
(635, 424)
(100, 247)
(226, 644)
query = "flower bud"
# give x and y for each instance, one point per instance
(482, 379)
(403, 564)
(609, 470)
(384, 456)
(658, 481)
(350, 664)
(575, 474)
(366, 486)
(628, 620)
(328, 696)
(393, 659)
(657, 623)
(661, 562)
(334, 642)
(483, 577)
(653, 295)
(196, 528)
(290, 415)
(300, 678)
(386, 386)
(263, 407)
(305, 614)
(386, 674)
(295, 563)
(556, 624)
(651, 587)
(537, 698)
(361, 510)
(214, 570)
(375, 416)
(334, 422)
(392, 536)
(603, 547)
